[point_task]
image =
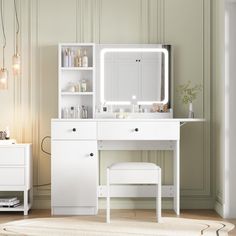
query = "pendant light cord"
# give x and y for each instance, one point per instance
(17, 20)
(18, 26)
(4, 35)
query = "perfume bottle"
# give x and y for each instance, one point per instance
(77, 112)
(84, 112)
(65, 113)
(69, 58)
(65, 58)
(7, 131)
(77, 87)
(78, 59)
(83, 86)
(72, 112)
(85, 59)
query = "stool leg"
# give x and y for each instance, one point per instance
(108, 195)
(158, 198)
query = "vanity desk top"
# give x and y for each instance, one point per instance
(182, 120)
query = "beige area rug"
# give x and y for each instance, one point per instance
(72, 226)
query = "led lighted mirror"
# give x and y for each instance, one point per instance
(128, 74)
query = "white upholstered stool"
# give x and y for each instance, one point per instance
(135, 173)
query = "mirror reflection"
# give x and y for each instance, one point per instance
(140, 74)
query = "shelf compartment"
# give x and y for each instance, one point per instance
(18, 208)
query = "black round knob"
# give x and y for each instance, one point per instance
(91, 154)
(136, 129)
(74, 129)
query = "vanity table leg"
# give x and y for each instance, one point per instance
(177, 178)
(108, 197)
(25, 202)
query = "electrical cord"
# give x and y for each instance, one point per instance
(41, 185)
(42, 142)
(4, 35)
(42, 149)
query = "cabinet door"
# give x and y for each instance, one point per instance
(74, 173)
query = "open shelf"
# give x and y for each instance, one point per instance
(18, 208)
(73, 75)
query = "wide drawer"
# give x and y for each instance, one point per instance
(73, 130)
(12, 155)
(138, 131)
(13, 176)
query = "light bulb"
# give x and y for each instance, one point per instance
(16, 64)
(3, 79)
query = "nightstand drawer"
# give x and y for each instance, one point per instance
(138, 131)
(12, 155)
(12, 176)
(73, 130)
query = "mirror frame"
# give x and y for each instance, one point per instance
(102, 72)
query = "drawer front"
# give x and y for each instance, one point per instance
(74, 130)
(12, 155)
(138, 131)
(12, 176)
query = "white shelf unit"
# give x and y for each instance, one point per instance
(70, 77)
(16, 174)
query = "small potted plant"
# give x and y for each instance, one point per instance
(188, 94)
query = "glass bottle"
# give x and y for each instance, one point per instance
(69, 58)
(65, 58)
(84, 112)
(65, 113)
(77, 112)
(77, 87)
(7, 131)
(78, 59)
(72, 112)
(83, 86)
(85, 59)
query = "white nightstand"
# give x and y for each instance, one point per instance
(16, 173)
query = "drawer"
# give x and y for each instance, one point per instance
(138, 131)
(13, 176)
(74, 130)
(12, 155)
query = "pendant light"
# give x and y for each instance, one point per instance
(16, 56)
(3, 70)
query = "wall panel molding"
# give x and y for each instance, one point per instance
(154, 28)
(35, 76)
(202, 13)
(96, 20)
(144, 26)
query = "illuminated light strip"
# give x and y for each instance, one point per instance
(107, 50)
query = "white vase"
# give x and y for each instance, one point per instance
(190, 110)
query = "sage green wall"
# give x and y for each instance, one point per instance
(186, 24)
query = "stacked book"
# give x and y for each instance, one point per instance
(9, 202)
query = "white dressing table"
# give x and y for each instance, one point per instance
(75, 146)
(121, 78)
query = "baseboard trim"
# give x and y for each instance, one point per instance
(197, 203)
(219, 208)
(186, 203)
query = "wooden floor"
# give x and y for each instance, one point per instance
(141, 215)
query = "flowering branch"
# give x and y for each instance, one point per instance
(189, 93)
